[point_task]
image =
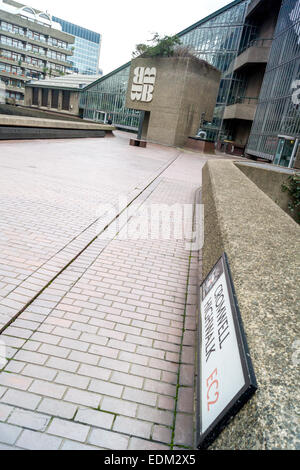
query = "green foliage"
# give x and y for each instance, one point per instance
(293, 189)
(160, 47)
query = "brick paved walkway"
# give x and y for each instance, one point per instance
(104, 357)
(49, 205)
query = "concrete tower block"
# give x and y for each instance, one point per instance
(173, 92)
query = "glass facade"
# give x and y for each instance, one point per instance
(86, 50)
(107, 97)
(278, 111)
(216, 39)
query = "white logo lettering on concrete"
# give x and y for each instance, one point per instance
(143, 84)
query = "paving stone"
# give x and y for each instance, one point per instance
(21, 399)
(106, 388)
(140, 396)
(9, 433)
(161, 388)
(127, 379)
(95, 418)
(5, 411)
(74, 380)
(6, 447)
(187, 375)
(155, 416)
(31, 357)
(104, 351)
(58, 408)
(121, 407)
(166, 403)
(32, 440)
(95, 372)
(139, 444)
(54, 351)
(184, 430)
(162, 434)
(47, 389)
(132, 427)
(185, 400)
(71, 445)
(39, 372)
(83, 398)
(63, 364)
(84, 357)
(29, 419)
(14, 381)
(108, 440)
(114, 364)
(46, 338)
(73, 431)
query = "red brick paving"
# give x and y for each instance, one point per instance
(105, 355)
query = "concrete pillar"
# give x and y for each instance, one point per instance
(40, 97)
(49, 98)
(59, 100)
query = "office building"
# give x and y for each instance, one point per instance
(86, 49)
(32, 46)
(248, 71)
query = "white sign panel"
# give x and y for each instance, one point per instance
(143, 84)
(226, 374)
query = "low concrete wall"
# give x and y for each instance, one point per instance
(17, 127)
(270, 181)
(29, 133)
(15, 121)
(262, 245)
(11, 110)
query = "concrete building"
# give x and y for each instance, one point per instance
(275, 134)
(256, 46)
(215, 39)
(174, 92)
(248, 70)
(86, 49)
(57, 94)
(32, 46)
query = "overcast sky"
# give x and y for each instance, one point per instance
(125, 23)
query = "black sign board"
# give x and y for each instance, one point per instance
(226, 379)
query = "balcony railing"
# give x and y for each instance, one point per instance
(248, 100)
(42, 43)
(260, 42)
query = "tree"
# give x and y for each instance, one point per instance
(161, 47)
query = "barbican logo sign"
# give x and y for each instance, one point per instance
(143, 84)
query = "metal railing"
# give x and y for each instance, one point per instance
(242, 100)
(260, 42)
